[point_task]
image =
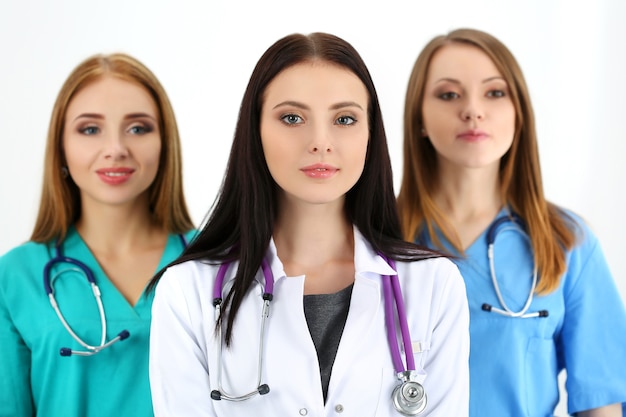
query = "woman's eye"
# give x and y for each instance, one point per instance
(291, 119)
(345, 120)
(496, 93)
(448, 95)
(89, 130)
(139, 129)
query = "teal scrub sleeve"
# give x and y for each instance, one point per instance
(15, 394)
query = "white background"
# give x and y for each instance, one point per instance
(573, 54)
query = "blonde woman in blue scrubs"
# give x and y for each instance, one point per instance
(470, 160)
(112, 202)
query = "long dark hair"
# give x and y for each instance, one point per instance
(241, 221)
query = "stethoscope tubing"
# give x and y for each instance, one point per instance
(81, 268)
(494, 280)
(59, 258)
(391, 293)
(96, 292)
(408, 398)
(221, 274)
(268, 293)
(492, 232)
(84, 269)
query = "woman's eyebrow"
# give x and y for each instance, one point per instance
(303, 106)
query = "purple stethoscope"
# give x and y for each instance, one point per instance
(80, 267)
(409, 397)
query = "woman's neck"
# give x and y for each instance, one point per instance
(126, 243)
(316, 241)
(465, 194)
(470, 200)
(314, 234)
(118, 229)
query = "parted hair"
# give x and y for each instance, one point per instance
(60, 205)
(552, 232)
(241, 221)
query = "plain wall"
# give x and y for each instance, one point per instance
(573, 54)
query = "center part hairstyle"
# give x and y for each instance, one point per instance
(241, 221)
(60, 205)
(551, 230)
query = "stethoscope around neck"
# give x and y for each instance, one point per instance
(492, 233)
(80, 267)
(409, 397)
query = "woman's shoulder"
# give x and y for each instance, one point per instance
(189, 274)
(583, 229)
(193, 265)
(586, 256)
(25, 260)
(189, 235)
(183, 237)
(440, 272)
(25, 253)
(436, 261)
(434, 282)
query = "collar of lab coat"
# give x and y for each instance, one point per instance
(367, 262)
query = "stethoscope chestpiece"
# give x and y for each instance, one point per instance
(409, 398)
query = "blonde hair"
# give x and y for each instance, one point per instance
(60, 206)
(551, 230)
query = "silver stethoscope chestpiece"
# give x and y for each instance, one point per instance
(409, 398)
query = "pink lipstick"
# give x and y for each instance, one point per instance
(115, 176)
(473, 135)
(319, 171)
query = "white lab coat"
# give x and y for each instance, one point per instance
(183, 345)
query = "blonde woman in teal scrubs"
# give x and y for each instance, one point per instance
(112, 210)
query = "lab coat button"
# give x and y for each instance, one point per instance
(339, 408)
(303, 412)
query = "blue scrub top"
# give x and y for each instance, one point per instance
(515, 362)
(35, 378)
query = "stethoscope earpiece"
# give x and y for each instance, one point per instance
(218, 395)
(92, 350)
(489, 308)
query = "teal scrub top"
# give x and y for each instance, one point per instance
(515, 362)
(35, 379)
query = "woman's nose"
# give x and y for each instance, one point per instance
(321, 141)
(473, 110)
(116, 147)
(322, 148)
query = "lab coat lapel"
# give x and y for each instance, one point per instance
(361, 321)
(366, 306)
